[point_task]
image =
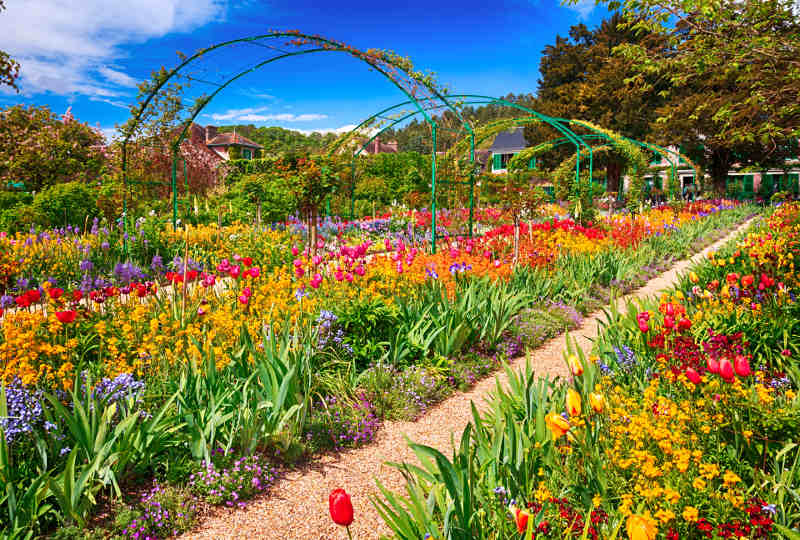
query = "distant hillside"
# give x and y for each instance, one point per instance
(413, 137)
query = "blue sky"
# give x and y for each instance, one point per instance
(89, 54)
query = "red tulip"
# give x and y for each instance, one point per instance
(643, 326)
(692, 375)
(726, 369)
(741, 366)
(747, 280)
(340, 507)
(684, 324)
(521, 519)
(669, 322)
(55, 293)
(713, 366)
(247, 261)
(77, 294)
(33, 295)
(66, 317)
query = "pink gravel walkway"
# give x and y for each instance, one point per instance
(297, 507)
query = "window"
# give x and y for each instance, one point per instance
(500, 161)
(247, 153)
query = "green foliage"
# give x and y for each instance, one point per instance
(235, 152)
(71, 203)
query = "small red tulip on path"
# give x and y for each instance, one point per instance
(298, 506)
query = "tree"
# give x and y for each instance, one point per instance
(582, 78)
(733, 74)
(308, 181)
(40, 149)
(9, 68)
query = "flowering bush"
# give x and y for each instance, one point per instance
(232, 481)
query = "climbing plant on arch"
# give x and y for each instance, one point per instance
(201, 68)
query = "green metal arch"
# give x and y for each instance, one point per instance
(463, 99)
(379, 62)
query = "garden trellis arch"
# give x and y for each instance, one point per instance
(420, 89)
(468, 142)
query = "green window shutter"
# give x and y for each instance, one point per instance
(497, 162)
(748, 183)
(532, 163)
(658, 182)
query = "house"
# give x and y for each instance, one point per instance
(506, 144)
(223, 143)
(376, 146)
(741, 182)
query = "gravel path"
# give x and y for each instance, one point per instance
(297, 507)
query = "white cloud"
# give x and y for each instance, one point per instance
(255, 114)
(69, 47)
(583, 8)
(338, 131)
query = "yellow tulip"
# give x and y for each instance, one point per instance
(575, 365)
(573, 403)
(693, 277)
(558, 424)
(597, 401)
(641, 528)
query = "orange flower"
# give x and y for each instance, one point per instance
(558, 425)
(573, 403)
(597, 401)
(641, 528)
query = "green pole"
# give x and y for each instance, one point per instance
(352, 189)
(174, 191)
(125, 213)
(577, 167)
(471, 180)
(185, 178)
(433, 190)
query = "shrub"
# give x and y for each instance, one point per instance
(71, 203)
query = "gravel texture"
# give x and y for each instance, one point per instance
(297, 507)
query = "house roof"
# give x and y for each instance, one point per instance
(507, 142)
(230, 139)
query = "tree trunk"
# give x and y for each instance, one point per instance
(718, 168)
(312, 231)
(613, 175)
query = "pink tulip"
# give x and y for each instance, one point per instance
(255, 272)
(316, 259)
(741, 366)
(360, 270)
(243, 299)
(713, 366)
(726, 369)
(299, 272)
(247, 292)
(692, 375)
(234, 271)
(349, 277)
(295, 251)
(669, 322)
(399, 267)
(338, 275)
(644, 327)
(297, 262)
(453, 253)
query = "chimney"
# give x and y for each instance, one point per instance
(211, 132)
(391, 145)
(376, 148)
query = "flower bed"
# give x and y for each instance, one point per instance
(277, 353)
(681, 423)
